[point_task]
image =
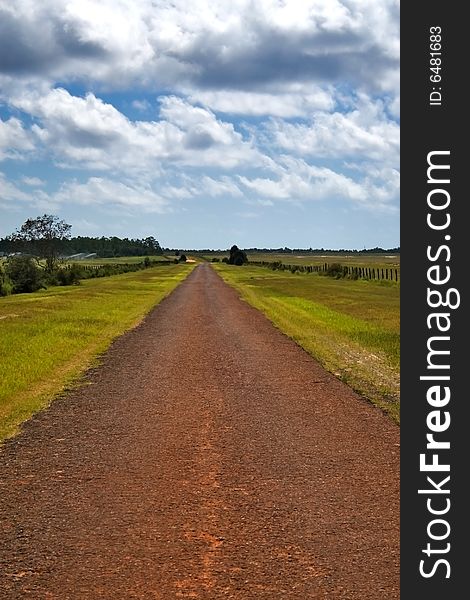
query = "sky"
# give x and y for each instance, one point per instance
(261, 123)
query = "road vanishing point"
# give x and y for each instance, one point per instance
(208, 456)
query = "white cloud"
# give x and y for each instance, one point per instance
(365, 133)
(33, 181)
(14, 139)
(94, 133)
(260, 102)
(224, 186)
(142, 105)
(298, 181)
(90, 133)
(10, 194)
(283, 104)
(212, 43)
(98, 191)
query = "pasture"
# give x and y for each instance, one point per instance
(121, 260)
(352, 259)
(48, 338)
(351, 327)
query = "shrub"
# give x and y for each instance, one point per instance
(237, 257)
(336, 270)
(6, 287)
(24, 274)
(183, 258)
(71, 275)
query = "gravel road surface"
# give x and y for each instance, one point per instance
(207, 457)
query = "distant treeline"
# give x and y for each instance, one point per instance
(286, 250)
(104, 247)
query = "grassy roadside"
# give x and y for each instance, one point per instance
(47, 339)
(351, 327)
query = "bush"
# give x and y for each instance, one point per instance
(237, 257)
(24, 274)
(6, 287)
(70, 276)
(336, 270)
(215, 259)
(183, 258)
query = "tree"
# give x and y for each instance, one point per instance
(151, 245)
(43, 238)
(24, 274)
(237, 257)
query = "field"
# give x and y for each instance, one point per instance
(112, 261)
(353, 259)
(351, 327)
(119, 260)
(48, 338)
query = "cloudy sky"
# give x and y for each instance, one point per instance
(206, 123)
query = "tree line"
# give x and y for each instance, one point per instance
(313, 251)
(47, 235)
(103, 247)
(35, 252)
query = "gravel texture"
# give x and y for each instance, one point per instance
(207, 457)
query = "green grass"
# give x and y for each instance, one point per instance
(352, 259)
(47, 339)
(346, 259)
(121, 260)
(351, 327)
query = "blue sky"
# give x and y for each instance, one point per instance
(258, 122)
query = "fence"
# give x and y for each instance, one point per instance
(353, 272)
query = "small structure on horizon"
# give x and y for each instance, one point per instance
(82, 256)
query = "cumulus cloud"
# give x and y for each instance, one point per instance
(295, 103)
(15, 140)
(141, 105)
(296, 180)
(365, 133)
(92, 133)
(217, 44)
(263, 102)
(33, 181)
(246, 45)
(98, 191)
(9, 193)
(225, 186)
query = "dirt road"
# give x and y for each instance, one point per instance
(208, 457)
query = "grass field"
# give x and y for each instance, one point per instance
(351, 327)
(120, 260)
(48, 338)
(351, 259)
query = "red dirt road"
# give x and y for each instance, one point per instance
(208, 457)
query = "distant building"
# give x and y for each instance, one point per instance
(82, 256)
